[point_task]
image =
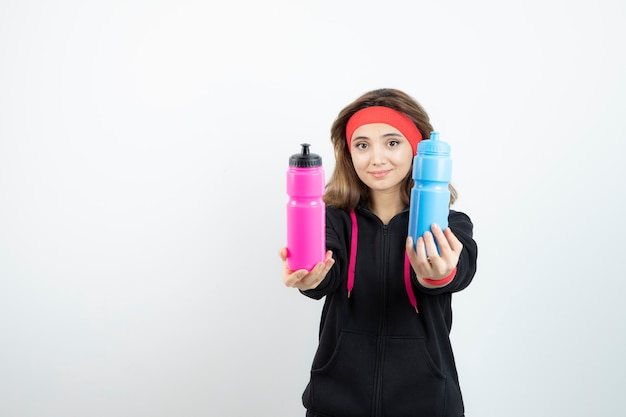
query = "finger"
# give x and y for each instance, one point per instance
(421, 252)
(287, 272)
(417, 256)
(441, 238)
(438, 263)
(330, 261)
(417, 253)
(323, 267)
(410, 249)
(319, 267)
(411, 253)
(316, 276)
(293, 279)
(430, 246)
(453, 241)
(327, 265)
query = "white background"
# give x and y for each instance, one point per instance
(143, 151)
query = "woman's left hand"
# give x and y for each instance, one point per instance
(426, 261)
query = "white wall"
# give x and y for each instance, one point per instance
(143, 148)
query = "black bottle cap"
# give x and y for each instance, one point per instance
(305, 159)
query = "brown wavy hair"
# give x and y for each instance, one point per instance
(344, 188)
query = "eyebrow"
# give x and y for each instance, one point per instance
(386, 135)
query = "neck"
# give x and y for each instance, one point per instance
(386, 205)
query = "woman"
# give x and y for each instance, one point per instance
(384, 346)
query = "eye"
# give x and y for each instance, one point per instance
(361, 145)
(393, 143)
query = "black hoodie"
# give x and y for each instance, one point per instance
(376, 355)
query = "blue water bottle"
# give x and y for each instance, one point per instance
(430, 196)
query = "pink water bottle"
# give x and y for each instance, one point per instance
(306, 212)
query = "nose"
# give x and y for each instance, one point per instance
(379, 156)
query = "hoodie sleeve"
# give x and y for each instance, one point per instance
(462, 227)
(336, 238)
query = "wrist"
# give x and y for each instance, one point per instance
(443, 281)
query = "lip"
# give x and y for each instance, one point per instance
(379, 174)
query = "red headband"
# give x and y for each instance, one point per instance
(382, 114)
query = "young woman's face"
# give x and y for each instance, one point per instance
(381, 155)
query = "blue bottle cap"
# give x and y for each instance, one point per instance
(433, 146)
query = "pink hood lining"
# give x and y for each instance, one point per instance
(351, 266)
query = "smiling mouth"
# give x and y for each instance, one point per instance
(379, 174)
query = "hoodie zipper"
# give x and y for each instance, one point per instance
(382, 329)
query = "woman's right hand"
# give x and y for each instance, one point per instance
(303, 279)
